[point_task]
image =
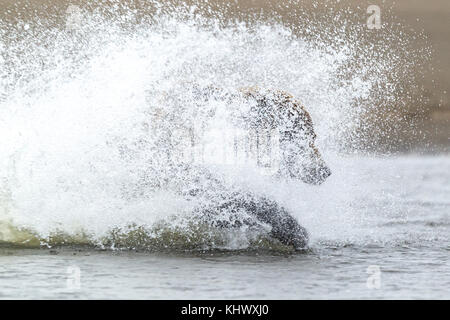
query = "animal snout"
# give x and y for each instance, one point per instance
(317, 175)
(324, 173)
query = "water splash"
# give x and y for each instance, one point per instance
(76, 102)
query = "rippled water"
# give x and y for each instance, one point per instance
(399, 220)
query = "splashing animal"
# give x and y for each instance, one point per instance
(228, 206)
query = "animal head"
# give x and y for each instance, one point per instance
(275, 110)
(300, 158)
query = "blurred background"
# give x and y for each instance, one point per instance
(421, 120)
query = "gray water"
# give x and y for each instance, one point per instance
(402, 211)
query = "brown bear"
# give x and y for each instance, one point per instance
(225, 205)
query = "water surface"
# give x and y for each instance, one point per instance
(398, 220)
